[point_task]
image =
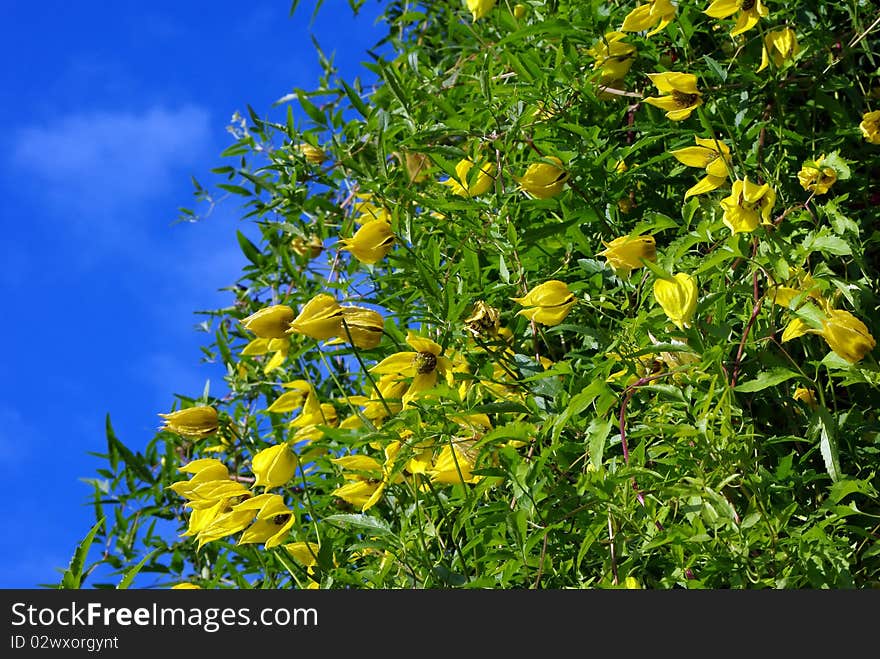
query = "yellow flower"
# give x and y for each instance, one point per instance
(313, 415)
(543, 179)
(678, 298)
(423, 364)
(480, 8)
(870, 126)
(548, 303)
(293, 399)
(452, 466)
(847, 336)
(682, 97)
(806, 396)
(612, 57)
(519, 11)
(815, 178)
(198, 421)
(485, 320)
(310, 248)
(417, 165)
(364, 210)
(709, 154)
(232, 517)
(368, 478)
(312, 153)
(320, 318)
(304, 552)
(654, 12)
(204, 470)
(382, 403)
(462, 184)
(278, 347)
(625, 253)
(748, 205)
(370, 243)
(272, 522)
(364, 326)
(795, 328)
(186, 586)
(750, 12)
(271, 322)
(274, 466)
(779, 46)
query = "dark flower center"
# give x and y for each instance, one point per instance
(747, 4)
(281, 520)
(683, 100)
(425, 362)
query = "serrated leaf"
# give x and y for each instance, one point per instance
(129, 577)
(72, 577)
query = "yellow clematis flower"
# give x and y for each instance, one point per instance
(186, 586)
(278, 347)
(232, 518)
(543, 179)
(370, 243)
(657, 13)
(274, 466)
(682, 96)
(292, 399)
(626, 253)
(847, 336)
(390, 390)
(815, 178)
(520, 11)
(548, 303)
(709, 154)
(779, 46)
(312, 154)
(204, 470)
(461, 183)
(368, 478)
(748, 205)
(423, 364)
(271, 322)
(310, 248)
(806, 396)
(199, 421)
(452, 466)
(612, 57)
(750, 12)
(870, 126)
(320, 318)
(364, 326)
(273, 521)
(484, 320)
(678, 298)
(479, 8)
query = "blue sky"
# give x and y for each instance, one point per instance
(109, 108)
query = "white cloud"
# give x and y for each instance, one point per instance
(103, 161)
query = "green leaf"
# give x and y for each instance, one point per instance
(73, 575)
(766, 379)
(356, 101)
(597, 434)
(133, 572)
(251, 251)
(824, 425)
(361, 521)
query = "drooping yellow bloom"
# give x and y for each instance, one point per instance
(779, 46)
(748, 205)
(364, 327)
(204, 470)
(271, 322)
(370, 243)
(232, 517)
(645, 16)
(480, 8)
(750, 12)
(464, 185)
(367, 477)
(423, 364)
(310, 248)
(709, 154)
(870, 126)
(543, 179)
(292, 399)
(417, 165)
(626, 253)
(519, 11)
(272, 522)
(186, 586)
(806, 396)
(452, 466)
(816, 178)
(548, 303)
(313, 415)
(312, 154)
(365, 210)
(304, 552)
(198, 421)
(484, 321)
(678, 298)
(847, 336)
(274, 466)
(278, 347)
(682, 96)
(320, 318)
(381, 404)
(612, 57)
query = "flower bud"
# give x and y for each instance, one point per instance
(677, 297)
(543, 179)
(274, 466)
(192, 421)
(847, 336)
(626, 253)
(320, 318)
(365, 327)
(270, 323)
(548, 303)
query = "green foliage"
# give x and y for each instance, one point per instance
(608, 447)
